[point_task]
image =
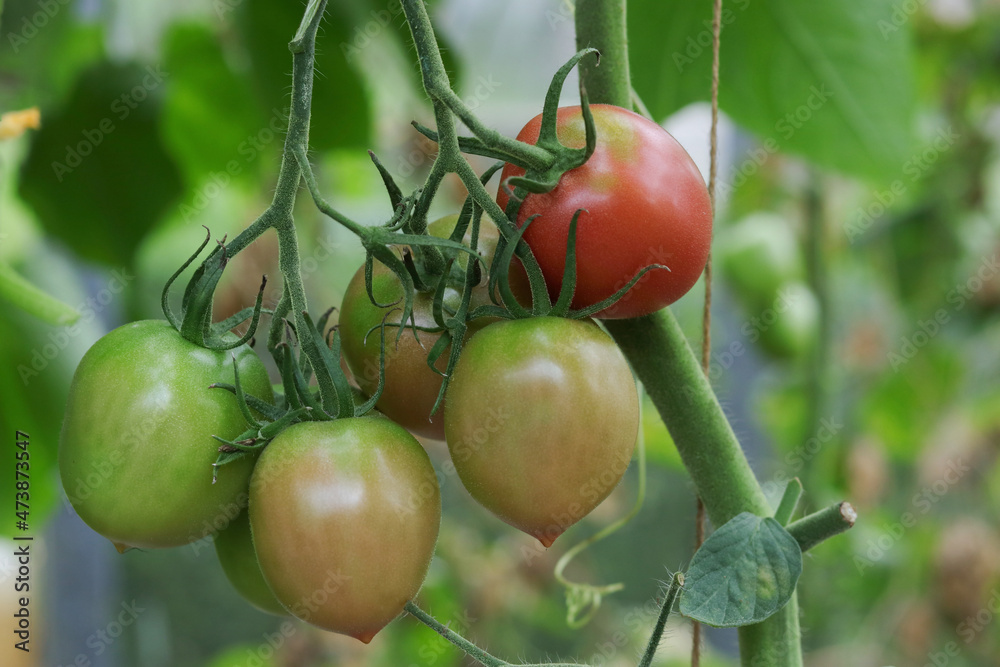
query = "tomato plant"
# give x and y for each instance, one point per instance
(234, 547)
(644, 202)
(345, 516)
(542, 421)
(136, 449)
(343, 508)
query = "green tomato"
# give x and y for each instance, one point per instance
(136, 448)
(345, 516)
(758, 255)
(542, 420)
(795, 327)
(234, 547)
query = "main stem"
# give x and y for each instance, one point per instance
(659, 353)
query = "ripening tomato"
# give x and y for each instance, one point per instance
(411, 387)
(136, 449)
(234, 547)
(645, 203)
(344, 516)
(542, 419)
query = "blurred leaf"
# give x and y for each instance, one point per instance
(34, 384)
(782, 411)
(241, 655)
(97, 175)
(903, 409)
(660, 446)
(814, 78)
(744, 572)
(42, 50)
(211, 122)
(341, 117)
(32, 300)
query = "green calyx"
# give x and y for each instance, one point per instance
(195, 320)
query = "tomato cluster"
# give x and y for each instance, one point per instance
(334, 520)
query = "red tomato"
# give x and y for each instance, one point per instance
(645, 202)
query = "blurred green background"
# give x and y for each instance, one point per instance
(856, 339)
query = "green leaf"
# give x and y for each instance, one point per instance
(98, 176)
(830, 81)
(41, 52)
(746, 571)
(18, 291)
(341, 117)
(911, 396)
(211, 123)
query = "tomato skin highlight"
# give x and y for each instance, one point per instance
(542, 421)
(345, 516)
(234, 547)
(645, 203)
(136, 447)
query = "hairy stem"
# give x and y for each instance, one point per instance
(824, 524)
(676, 582)
(600, 24)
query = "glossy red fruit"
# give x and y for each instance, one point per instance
(645, 203)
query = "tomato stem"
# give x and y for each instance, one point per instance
(789, 500)
(824, 524)
(473, 651)
(673, 590)
(600, 24)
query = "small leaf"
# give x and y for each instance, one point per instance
(746, 571)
